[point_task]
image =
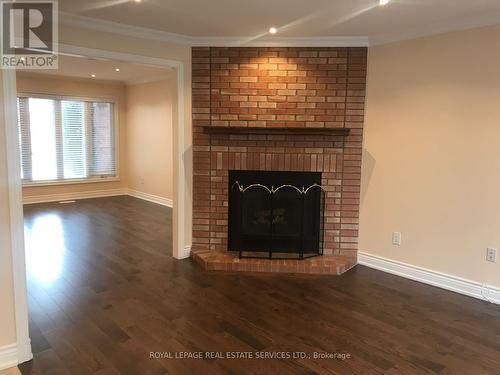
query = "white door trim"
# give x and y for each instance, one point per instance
(23, 343)
(15, 190)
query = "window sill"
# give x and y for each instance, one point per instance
(70, 182)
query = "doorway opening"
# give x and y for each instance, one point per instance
(179, 250)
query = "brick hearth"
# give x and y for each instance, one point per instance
(314, 88)
(229, 261)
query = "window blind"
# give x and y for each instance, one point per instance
(64, 139)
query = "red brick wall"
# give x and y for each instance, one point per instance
(278, 87)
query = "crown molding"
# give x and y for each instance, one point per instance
(141, 81)
(272, 41)
(265, 40)
(95, 24)
(490, 19)
(88, 23)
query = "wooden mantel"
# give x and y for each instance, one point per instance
(277, 131)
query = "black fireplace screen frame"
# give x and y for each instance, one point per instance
(300, 192)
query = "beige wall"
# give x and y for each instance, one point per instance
(29, 83)
(431, 163)
(149, 137)
(7, 316)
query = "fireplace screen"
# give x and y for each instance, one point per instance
(275, 214)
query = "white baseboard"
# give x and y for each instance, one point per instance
(150, 198)
(97, 194)
(8, 356)
(438, 279)
(73, 196)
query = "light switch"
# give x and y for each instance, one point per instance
(396, 238)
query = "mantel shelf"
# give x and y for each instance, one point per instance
(278, 131)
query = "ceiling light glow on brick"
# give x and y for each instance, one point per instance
(273, 30)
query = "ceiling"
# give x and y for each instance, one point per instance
(104, 70)
(293, 18)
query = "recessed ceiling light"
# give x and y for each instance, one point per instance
(117, 69)
(383, 2)
(92, 75)
(137, 1)
(273, 30)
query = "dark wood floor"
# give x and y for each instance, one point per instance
(104, 292)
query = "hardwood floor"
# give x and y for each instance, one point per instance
(104, 292)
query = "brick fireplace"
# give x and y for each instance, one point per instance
(277, 109)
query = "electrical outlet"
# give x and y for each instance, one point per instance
(491, 255)
(396, 238)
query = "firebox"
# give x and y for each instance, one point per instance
(277, 215)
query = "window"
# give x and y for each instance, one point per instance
(64, 139)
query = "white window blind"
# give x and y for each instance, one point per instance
(65, 139)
